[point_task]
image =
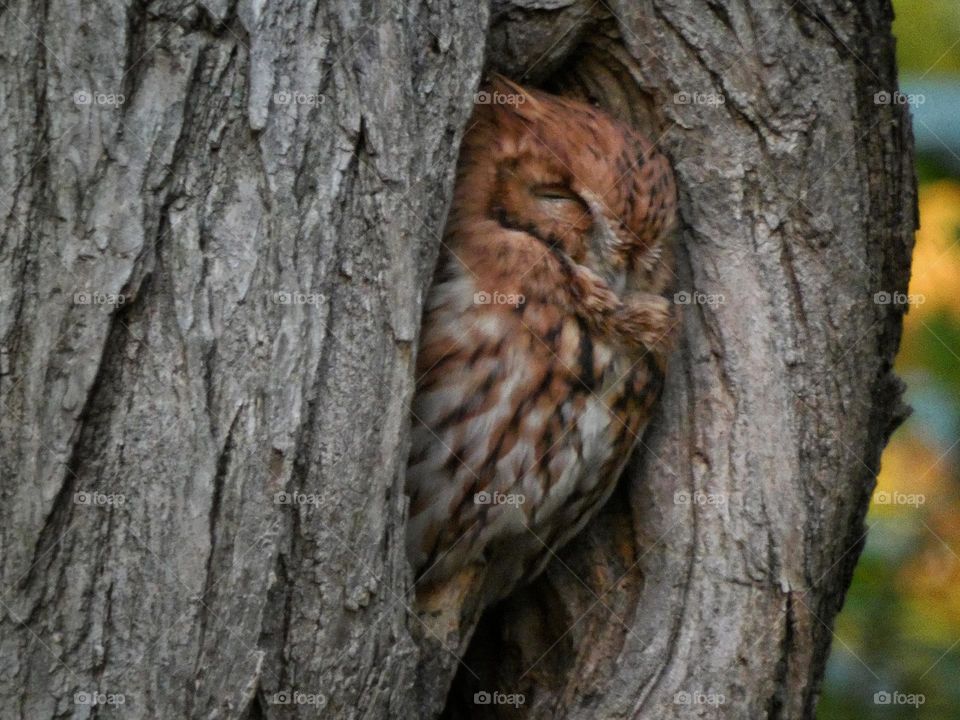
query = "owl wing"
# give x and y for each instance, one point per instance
(520, 428)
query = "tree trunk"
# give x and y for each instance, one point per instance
(219, 222)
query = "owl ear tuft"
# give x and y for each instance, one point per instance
(506, 95)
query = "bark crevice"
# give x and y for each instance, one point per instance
(268, 151)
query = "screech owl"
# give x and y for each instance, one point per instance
(544, 338)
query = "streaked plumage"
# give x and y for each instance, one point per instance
(561, 216)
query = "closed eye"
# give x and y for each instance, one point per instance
(556, 192)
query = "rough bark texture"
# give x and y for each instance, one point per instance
(210, 294)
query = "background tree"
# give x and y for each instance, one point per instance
(218, 225)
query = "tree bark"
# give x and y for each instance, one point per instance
(219, 222)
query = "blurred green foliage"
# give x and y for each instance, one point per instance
(899, 631)
(927, 33)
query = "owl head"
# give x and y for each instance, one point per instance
(573, 176)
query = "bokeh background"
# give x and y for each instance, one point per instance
(896, 650)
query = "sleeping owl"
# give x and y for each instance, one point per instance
(545, 335)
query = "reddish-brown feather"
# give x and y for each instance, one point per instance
(564, 214)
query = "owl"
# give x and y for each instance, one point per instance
(545, 335)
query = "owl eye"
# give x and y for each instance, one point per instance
(555, 192)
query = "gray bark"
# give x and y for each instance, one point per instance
(210, 294)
